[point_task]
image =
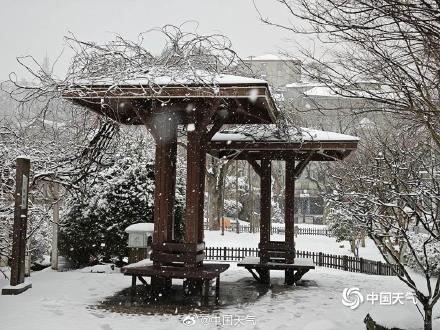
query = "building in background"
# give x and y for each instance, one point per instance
(277, 70)
(315, 105)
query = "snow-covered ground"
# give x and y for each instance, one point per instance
(316, 243)
(68, 300)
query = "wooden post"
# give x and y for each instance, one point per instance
(378, 268)
(265, 208)
(217, 289)
(55, 223)
(133, 286)
(164, 129)
(236, 197)
(289, 210)
(165, 178)
(195, 191)
(251, 198)
(20, 221)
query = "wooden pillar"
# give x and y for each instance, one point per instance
(164, 129)
(289, 209)
(195, 191)
(265, 208)
(165, 178)
(196, 167)
(20, 221)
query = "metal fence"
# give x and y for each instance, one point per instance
(347, 263)
(276, 230)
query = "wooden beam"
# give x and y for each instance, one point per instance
(256, 167)
(302, 165)
(241, 154)
(220, 115)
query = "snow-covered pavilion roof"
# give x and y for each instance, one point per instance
(124, 96)
(241, 141)
(271, 133)
(165, 77)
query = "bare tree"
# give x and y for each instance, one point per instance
(386, 53)
(389, 189)
(363, 44)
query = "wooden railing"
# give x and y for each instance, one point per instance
(347, 263)
(276, 230)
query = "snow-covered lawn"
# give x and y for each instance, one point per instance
(316, 243)
(67, 300)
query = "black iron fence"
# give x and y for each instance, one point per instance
(347, 263)
(276, 230)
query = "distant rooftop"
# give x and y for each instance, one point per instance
(270, 57)
(304, 84)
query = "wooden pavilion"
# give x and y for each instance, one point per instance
(203, 103)
(296, 147)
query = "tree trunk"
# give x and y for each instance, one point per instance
(428, 317)
(215, 184)
(354, 250)
(213, 221)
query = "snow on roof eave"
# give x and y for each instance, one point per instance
(133, 90)
(205, 79)
(306, 135)
(228, 89)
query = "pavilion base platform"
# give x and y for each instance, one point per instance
(16, 289)
(197, 279)
(261, 270)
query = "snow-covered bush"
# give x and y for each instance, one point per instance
(118, 196)
(121, 195)
(423, 252)
(39, 231)
(277, 213)
(345, 227)
(230, 207)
